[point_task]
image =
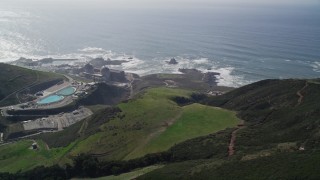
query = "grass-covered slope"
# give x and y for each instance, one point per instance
(153, 123)
(195, 120)
(150, 123)
(276, 111)
(280, 138)
(20, 156)
(191, 81)
(140, 117)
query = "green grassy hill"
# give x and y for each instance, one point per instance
(195, 120)
(19, 156)
(280, 139)
(275, 113)
(153, 123)
(191, 81)
(150, 123)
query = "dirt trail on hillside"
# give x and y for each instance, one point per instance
(231, 149)
(166, 124)
(46, 145)
(299, 93)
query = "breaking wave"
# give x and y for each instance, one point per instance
(316, 66)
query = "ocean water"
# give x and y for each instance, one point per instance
(244, 44)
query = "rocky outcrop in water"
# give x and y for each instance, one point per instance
(99, 62)
(172, 61)
(210, 78)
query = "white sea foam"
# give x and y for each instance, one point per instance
(133, 64)
(93, 50)
(143, 67)
(316, 66)
(201, 61)
(160, 65)
(226, 78)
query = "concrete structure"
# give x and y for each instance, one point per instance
(40, 124)
(88, 68)
(57, 122)
(112, 74)
(117, 75)
(215, 93)
(102, 74)
(105, 72)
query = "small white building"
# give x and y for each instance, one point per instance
(34, 145)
